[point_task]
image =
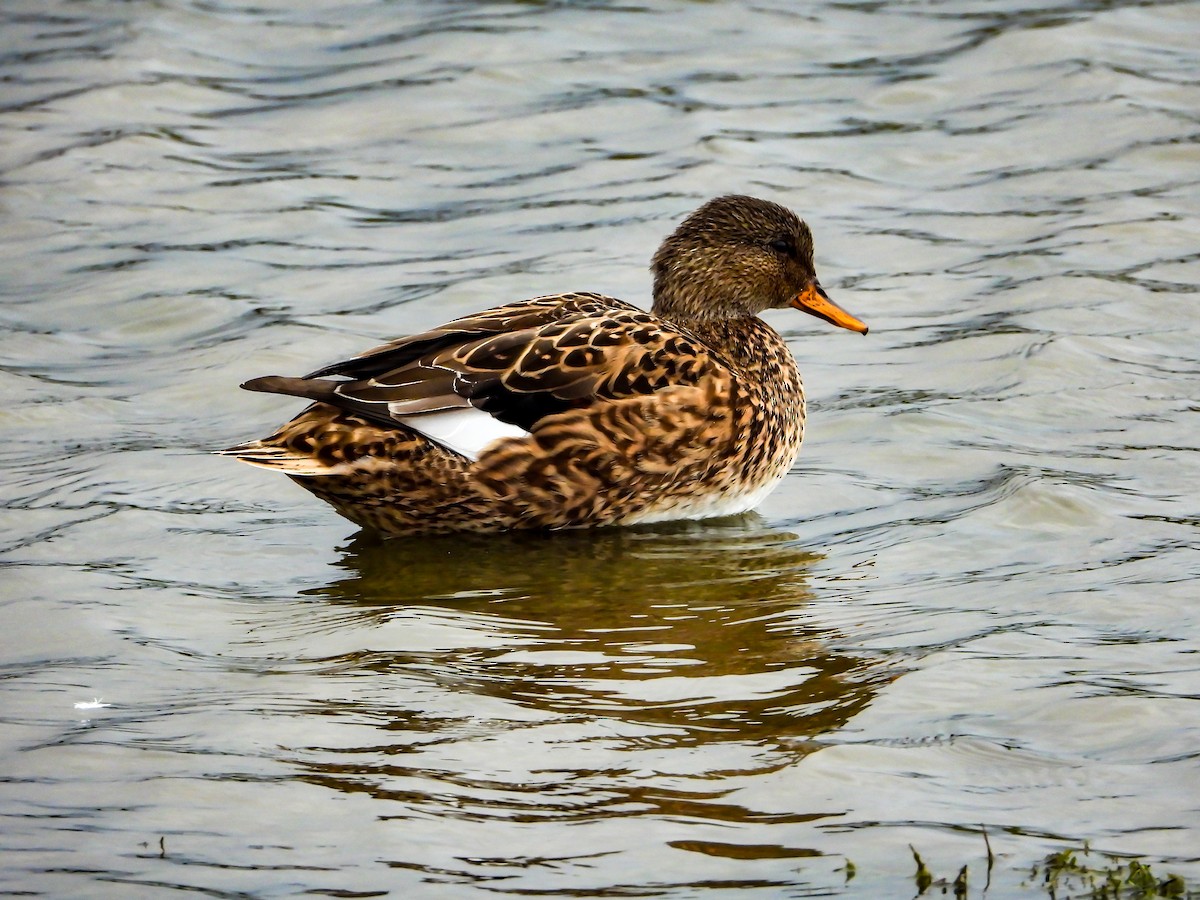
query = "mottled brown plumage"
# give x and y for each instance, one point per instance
(599, 413)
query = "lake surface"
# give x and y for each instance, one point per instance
(970, 609)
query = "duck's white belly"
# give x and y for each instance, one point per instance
(714, 506)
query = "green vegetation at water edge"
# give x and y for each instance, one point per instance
(1072, 874)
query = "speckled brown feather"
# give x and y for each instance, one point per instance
(696, 409)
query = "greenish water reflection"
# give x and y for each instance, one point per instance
(696, 627)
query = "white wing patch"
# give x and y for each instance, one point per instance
(464, 430)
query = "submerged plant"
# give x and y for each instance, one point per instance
(1069, 875)
(924, 878)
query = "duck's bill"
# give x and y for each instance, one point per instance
(814, 301)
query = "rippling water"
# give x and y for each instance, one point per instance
(971, 606)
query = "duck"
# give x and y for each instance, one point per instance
(574, 410)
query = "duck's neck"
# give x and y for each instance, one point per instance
(747, 341)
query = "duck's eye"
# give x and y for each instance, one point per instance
(782, 246)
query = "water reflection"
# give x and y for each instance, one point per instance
(698, 630)
(581, 678)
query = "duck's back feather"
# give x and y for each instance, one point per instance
(518, 364)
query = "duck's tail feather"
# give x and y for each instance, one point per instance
(277, 458)
(310, 388)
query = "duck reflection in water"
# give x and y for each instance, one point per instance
(697, 626)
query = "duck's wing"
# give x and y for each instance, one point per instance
(512, 317)
(499, 373)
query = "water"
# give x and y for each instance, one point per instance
(971, 605)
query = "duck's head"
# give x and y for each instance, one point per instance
(736, 256)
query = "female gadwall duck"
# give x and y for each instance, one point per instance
(574, 410)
